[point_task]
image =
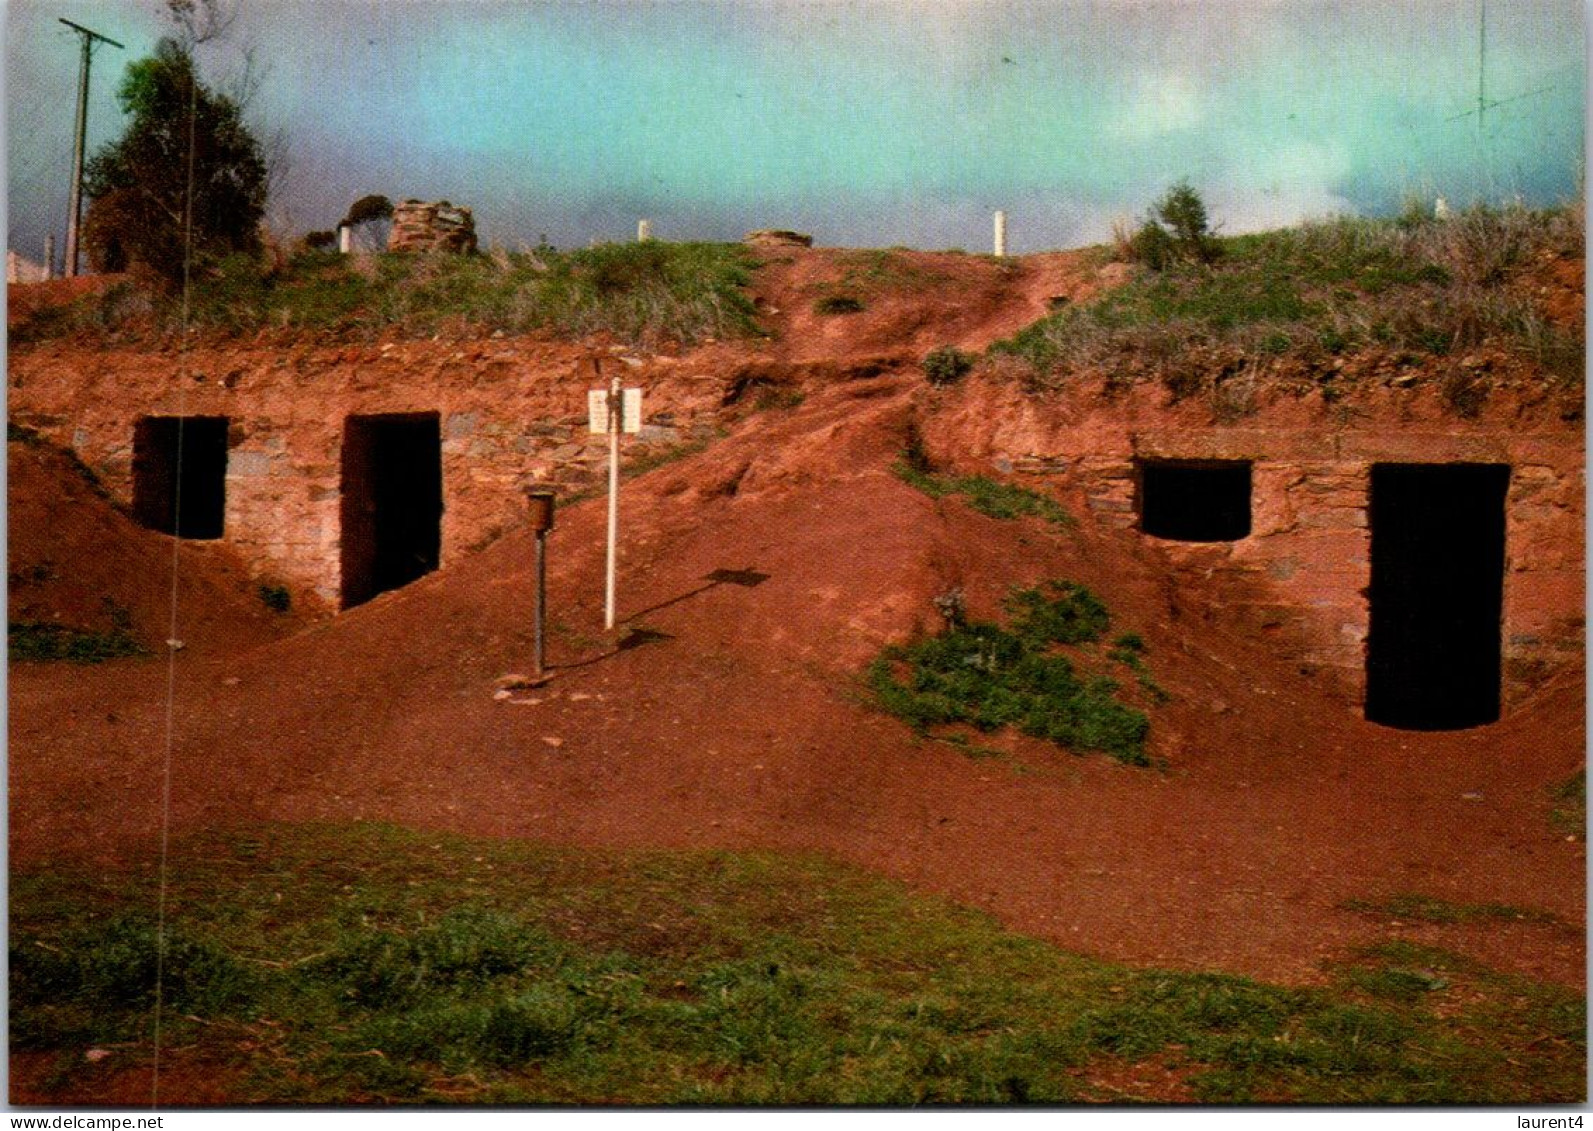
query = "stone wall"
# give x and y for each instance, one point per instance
(439, 226)
(1300, 577)
(511, 415)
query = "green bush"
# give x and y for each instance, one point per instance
(1059, 612)
(1152, 246)
(946, 366)
(1182, 210)
(838, 304)
(993, 677)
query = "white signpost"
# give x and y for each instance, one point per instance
(613, 410)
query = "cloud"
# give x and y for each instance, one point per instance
(1163, 103)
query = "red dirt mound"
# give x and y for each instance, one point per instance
(730, 713)
(24, 300)
(75, 560)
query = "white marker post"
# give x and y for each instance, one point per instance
(614, 411)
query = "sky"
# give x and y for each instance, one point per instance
(869, 123)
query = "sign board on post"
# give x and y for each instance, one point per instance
(611, 412)
(597, 412)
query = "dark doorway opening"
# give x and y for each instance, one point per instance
(180, 474)
(1436, 595)
(1195, 500)
(392, 502)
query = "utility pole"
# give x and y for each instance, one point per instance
(75, 207)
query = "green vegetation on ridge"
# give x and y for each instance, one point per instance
(1417, 284)
(983, 494)
(638, 292)
(365, 964)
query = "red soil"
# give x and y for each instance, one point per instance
(23, 300)
(739, 721)
(75, 560)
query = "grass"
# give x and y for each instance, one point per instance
(1324, 288)
(1431, 909)
(876, 270)
(985, 495)
(1569, 815)
(45, 642)
(641, 293)
(866, 276)
(366, 964)
(661, 455)
(990, 677)
(38, 642)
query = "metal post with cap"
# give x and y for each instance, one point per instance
(541, 502)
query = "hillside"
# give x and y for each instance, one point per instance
(733, 715)
(816, 502)
(1275, 808)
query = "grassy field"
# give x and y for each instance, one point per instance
(366, 964)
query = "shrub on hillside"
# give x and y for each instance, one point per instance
(993, 677)
(946, 366)
(838, 304)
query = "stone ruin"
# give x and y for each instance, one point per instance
(777, 237)
(436, 226)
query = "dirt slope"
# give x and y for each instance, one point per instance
(737, 719)
(74, 559)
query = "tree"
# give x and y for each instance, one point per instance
(1177, 228)
(1184, 212)
(370, 220)
(139, 185)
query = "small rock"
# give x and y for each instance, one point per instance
(232, 681)
(553, 741)
(1471, 797)
(176, 645)
(502, 693)
(94, 1056)
(512, 681)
